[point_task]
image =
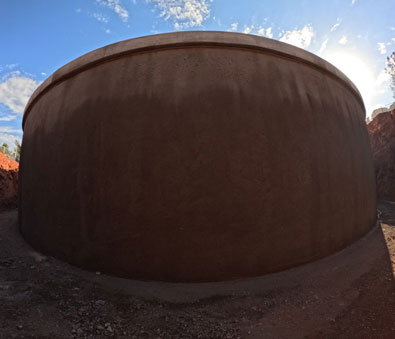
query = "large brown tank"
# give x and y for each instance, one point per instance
(195, 156)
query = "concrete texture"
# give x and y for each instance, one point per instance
(168, 158)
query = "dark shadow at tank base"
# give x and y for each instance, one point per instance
(350, 294)
(351, 261)
(372, 313)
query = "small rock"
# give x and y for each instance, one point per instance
(98, 273)
(37, 256)
(100, 302)
(19, 327)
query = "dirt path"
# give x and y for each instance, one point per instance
(348, 295)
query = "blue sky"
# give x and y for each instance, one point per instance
(39, 36)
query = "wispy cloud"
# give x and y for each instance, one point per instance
(379, 87)
(353, 2)
(16, 90)
(100, 17)
(336, 25)
(183, 13)
(257, 30)
(8, 117)
(381, 47)
(301, 38)
(116, 6)
(10, 130)
(343, 40)
(383, 82)
(323, 46)
(268, 32)
(233, 27)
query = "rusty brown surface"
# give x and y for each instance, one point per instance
(172, 163)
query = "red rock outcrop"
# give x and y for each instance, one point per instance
(8, 182)
(382, 138)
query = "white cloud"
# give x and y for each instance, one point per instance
(300, 38)
(10, 130)
(269, 33)
(233, 27)
(343, 40)
(323, 46)
(100, 17)
(247, 29)
(108, 31)
(336, 25)
(381, 47)
(380, 92)
(353, 2)
(16, 90)
(9, 139)
(8, 118)
(183, 13)
(116, 6)
(383, 82)
(8, 136)
(261, 31)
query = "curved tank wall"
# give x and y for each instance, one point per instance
(195, 156)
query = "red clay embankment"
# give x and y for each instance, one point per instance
(382, 138)
(8, 182)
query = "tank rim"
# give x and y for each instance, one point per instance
(165, 41)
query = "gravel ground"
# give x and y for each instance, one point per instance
(348, 295)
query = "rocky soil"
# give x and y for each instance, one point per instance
(382, 138)
(8, 182)
(348, 295)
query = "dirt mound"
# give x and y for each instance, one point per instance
(382, 138)
(8, 182)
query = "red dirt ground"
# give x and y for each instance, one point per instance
(350, 294)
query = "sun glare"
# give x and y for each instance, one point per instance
(357, 71)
